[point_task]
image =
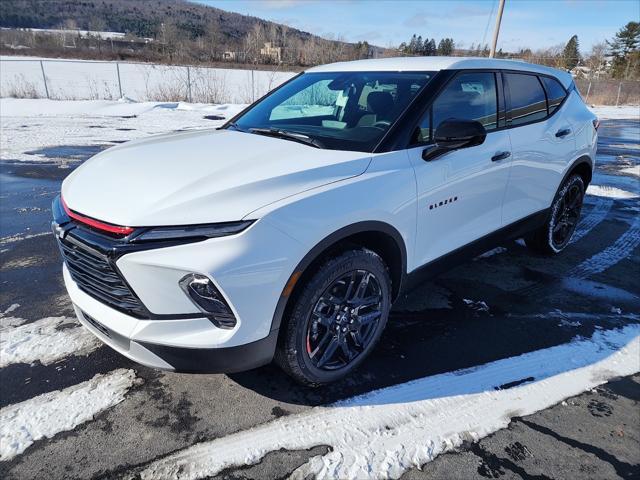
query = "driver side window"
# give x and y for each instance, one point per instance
(469, 96)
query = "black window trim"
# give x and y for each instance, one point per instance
(503, 96)
(538, 75)
(567, 92)
(456, 73)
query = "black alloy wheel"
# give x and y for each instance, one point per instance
(335, 318)
(344, 320)
(566, 216)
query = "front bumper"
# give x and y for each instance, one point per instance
(129, 295)
(130, 337)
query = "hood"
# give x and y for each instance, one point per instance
(205, 176)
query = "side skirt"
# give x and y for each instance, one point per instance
(481, 245)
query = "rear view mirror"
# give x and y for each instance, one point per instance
(453, 135)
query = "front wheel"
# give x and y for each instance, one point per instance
(556, 233)
(336, 319)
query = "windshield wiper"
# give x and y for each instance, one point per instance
(294, 136)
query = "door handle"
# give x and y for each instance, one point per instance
(563, 132)
(500, 156)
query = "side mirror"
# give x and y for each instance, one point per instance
(454, 135)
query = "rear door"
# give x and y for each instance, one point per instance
(543, 142)
(460, 194)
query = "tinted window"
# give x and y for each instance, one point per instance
(555, 93)
(528, 101)
(335, 110)
(470, 96)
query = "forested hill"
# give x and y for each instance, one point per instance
(143, 18)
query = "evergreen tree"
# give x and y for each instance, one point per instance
(419, 45)
(412, 44)
(431, 49)
(625, 49)
(571, 53)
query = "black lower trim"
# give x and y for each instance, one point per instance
(454, 258)
(217, 360)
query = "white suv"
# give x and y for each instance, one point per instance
(289, 232)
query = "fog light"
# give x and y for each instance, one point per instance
(208, 299)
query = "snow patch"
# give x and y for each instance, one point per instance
(635, 171)
(46, 415)
(611, 255)
(21, 236)
(385, 432)
(605, 112)
(610, 192)
(10, 309)
(593, 218)
(492, 252)
(46, 340)
(478, 306)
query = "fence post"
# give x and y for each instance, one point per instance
(253, 88)
(189, 84)
(618, 97)
(586, 99)
(119, 82)
(44, 77)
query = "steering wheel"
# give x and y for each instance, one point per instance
(382, 124)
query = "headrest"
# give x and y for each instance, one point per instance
(380, 102)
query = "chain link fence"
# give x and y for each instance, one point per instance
(100, 80)
(609, 91)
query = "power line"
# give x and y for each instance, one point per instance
(486, 28)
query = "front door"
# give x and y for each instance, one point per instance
(460, 193)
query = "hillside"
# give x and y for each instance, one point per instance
(164, 31)
(143, 18)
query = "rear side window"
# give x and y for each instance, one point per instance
(555, 93)
(528, 101)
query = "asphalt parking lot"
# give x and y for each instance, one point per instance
(506, 303)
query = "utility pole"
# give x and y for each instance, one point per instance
(496, 31)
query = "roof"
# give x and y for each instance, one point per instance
(430, 64)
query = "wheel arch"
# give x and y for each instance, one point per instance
(381, 237)
(583, 166)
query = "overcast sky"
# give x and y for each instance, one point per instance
(526, 23)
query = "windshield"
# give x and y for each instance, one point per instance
(335, 110)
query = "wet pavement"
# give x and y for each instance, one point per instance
(493, 307)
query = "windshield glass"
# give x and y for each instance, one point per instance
(335, 110)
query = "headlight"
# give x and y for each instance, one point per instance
(204, 294)
(191, 232)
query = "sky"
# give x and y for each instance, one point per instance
(526, 23)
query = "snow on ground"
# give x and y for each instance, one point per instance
(93, 123)
(46, 340)
(383, 433)
(21, 236)
(610, 192)
(604, 259)
(606, 112)
(635, 171)
(44, 416)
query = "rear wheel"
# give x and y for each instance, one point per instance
(336, 319)
(556, 233)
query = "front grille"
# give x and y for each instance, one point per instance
(95, 275)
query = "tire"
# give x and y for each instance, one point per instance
(319, 324)
(554, 236)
